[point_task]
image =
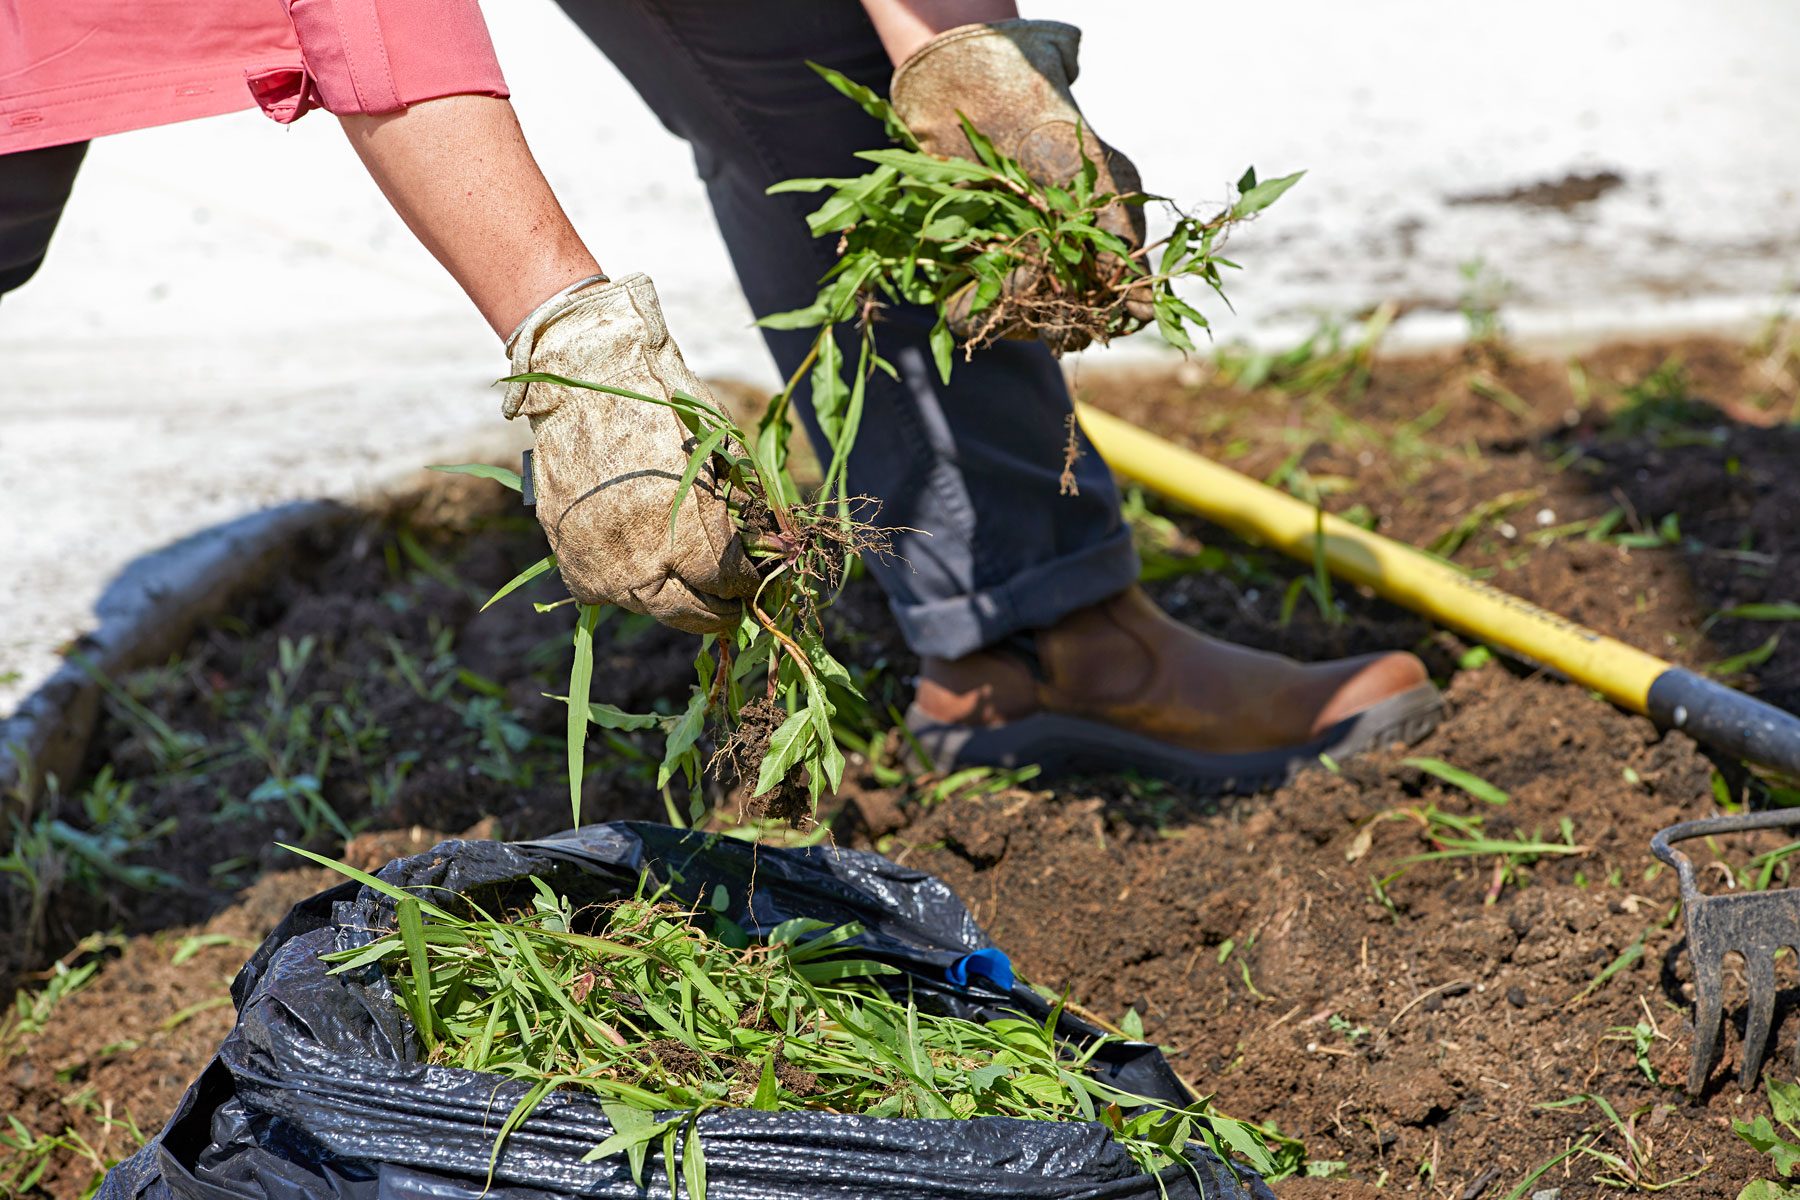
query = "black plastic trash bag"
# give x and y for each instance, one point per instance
(319, 1090)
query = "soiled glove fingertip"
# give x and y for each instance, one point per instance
(701, 622)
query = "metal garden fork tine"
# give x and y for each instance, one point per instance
(1759, 966)
(1755, 924)
(1708, 962)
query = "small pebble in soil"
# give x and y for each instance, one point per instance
(1547, 1194)
(1515, 996)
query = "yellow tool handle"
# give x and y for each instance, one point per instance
(1673, 697)
(1409, 577)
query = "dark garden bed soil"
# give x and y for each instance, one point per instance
(1408, 1027)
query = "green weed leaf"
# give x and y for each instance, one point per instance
(608, 716)
(1784, 1100)
(682, 735)
(943, 348)
(693, 1163)
(367, 880)
(418, 990)
(546, 563)
(809, 317)
(928, 167)
(870, 102)
(581, 677)
(696, 463)
(499, 475)
(1456, 777)
(786, 747)
(1263, 194)
(768, 1093)
(1245, 1140)
(1762, 1135)
(1739, 663)
(1785, 610)
(633, 1132)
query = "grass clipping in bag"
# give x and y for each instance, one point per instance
(663, 1021)
(995, 254)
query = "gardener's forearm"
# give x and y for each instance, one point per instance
(460, 175)
(905, 25)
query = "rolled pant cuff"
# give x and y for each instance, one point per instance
(1035, 599)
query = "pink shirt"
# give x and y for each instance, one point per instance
(76, 69)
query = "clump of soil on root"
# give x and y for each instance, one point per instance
(1038, 305)
(742, 752)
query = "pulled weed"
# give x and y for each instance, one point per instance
(778, 729)
(663, 1021)
(1009, 257)
(998, 252)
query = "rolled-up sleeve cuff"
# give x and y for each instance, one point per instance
(1036, 598)
(379, 56)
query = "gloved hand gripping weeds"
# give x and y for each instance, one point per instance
(655, 501)
(609, 467)
(999, 209)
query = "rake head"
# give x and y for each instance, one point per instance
(1755, 924)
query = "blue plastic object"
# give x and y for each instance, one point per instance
(990, 964)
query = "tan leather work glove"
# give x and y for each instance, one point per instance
(1011, 80)
(607, 467)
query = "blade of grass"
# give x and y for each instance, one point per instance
(546, 563)
(1544, 1168)
(1456, 777)
(418, 995)
(696, 462)
(581, 676)
(369, 881)
(499, 475)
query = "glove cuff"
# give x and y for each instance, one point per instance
(522, 345)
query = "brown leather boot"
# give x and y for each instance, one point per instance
(1123, 686)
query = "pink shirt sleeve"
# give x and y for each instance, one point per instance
(379, 56)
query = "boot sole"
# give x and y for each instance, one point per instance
(1060, 745)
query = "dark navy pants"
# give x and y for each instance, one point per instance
(966, 474)
(973, 466)
(34, 186)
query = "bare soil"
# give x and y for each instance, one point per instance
(1411, 1031)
